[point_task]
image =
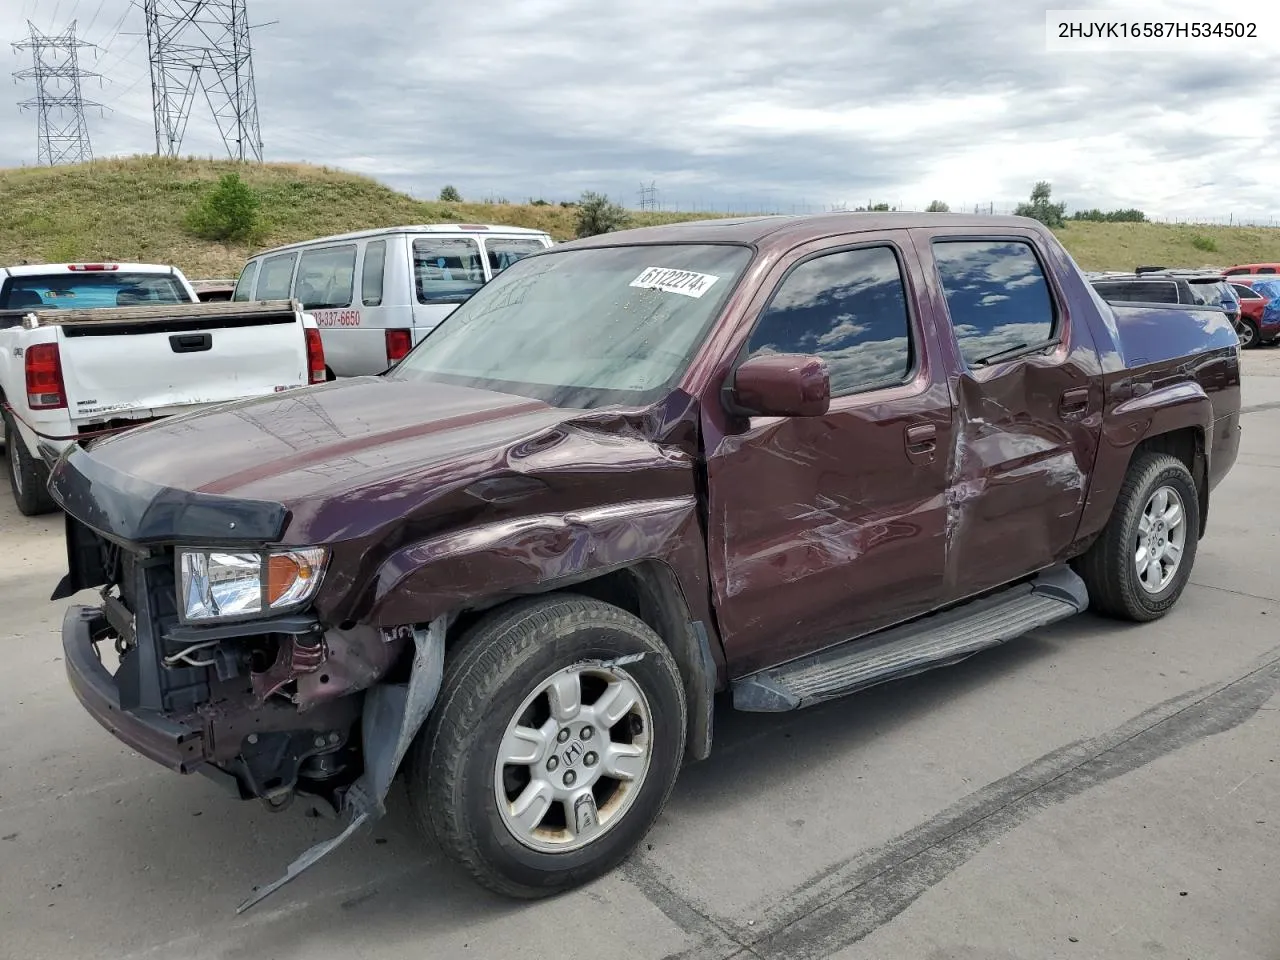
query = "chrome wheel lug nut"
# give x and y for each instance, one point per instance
(562, 736)
(587, 733)
(590, 759)
(570, 778)
(552, 763)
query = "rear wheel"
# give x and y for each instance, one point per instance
(556, 740)
(1139, 566)
(1249, 336)
(28, 476)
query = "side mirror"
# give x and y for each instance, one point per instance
(780, 385)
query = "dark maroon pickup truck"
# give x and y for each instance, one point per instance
(781, 457)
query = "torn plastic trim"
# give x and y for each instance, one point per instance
(393, 714)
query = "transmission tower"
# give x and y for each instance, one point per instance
(202, 44)
(649, 196)
(59, 105)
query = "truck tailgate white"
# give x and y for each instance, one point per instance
(152, 358)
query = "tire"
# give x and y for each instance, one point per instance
(497, 668)
(1250, 338)
(28, 476)
(1109, 567)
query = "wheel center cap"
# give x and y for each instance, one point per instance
(572, 753)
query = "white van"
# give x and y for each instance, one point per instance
(410, 278)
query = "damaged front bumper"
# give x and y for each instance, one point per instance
(178, 746)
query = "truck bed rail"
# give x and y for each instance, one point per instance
(213, 312)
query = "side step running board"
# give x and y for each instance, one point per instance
(932, 641)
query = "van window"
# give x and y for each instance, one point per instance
(446, 269)
(375, 259)
(503, 252)
(1138, 291)
(276, 273)
(325, 277)
(244, 286)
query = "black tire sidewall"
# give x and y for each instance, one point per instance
(474, 801)
(1172, 474)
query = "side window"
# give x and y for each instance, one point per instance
(375, 259)
(1266, 269)
(850, 308)
(996, 294)
(325, 277)
(244, 286)
(1245, 293)
(276, 274)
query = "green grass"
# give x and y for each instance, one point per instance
(134, 209)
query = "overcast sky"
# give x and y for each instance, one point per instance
(753, 104)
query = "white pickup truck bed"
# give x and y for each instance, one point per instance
(69, 375)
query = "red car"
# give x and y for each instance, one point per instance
(1255, 328)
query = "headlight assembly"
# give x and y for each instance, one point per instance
(223, 585)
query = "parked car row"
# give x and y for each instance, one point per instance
(1248, 300)
(782, 458)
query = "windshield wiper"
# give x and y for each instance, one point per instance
(1010, 353)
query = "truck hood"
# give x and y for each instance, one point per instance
(237, 470)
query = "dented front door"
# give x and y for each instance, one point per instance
(824, 528)
(1027, 425)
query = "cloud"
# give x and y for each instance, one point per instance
(779, 104)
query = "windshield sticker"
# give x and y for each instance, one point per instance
(684, 282)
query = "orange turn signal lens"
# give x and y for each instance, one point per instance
(292, 576)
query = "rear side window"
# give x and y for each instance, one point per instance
(1245, 292)
(1266, 269)
(244, 286)
(375, 259)
(276, 274)
(1236, 271)
(1138, 291)
(446, 269)
(850, 308)
(325, 277)
(503, 253)
(996, 294)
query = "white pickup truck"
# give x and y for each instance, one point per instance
(92, 349)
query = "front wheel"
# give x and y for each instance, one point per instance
(555, 742)
(1139, 566)
(1249, 336)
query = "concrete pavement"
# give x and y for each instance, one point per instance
(1094, 790)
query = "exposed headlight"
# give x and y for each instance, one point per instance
(219, 584)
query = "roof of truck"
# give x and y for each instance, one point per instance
(779, 228)
(36, 269)
(426, 228)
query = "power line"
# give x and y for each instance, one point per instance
(59, 105)
(203, 44)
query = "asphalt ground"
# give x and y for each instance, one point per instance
(1092, 790)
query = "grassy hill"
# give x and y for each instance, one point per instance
(133, 209)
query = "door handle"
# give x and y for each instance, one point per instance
(1075, 400)
(922, 438)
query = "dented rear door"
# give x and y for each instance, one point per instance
(1027, 426)
(825, 528)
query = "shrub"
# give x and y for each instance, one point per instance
(1206, 244)
(1050, 214)
(227, 212)
(937, 206)
(598, 214)
(450, 194)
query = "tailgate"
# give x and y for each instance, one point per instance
(152, 358)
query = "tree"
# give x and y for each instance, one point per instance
(227, 212)
(937, 206)
(1050, 214)
(450, 194)
(598, 214)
